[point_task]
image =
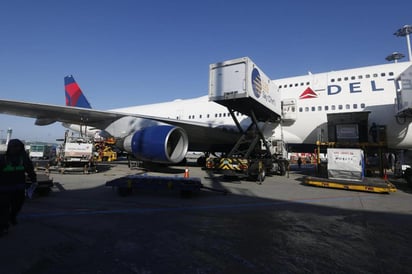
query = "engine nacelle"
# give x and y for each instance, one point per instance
(161, 144)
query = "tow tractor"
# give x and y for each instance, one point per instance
(241, 86)
(104, 150)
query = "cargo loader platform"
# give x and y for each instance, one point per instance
(241, 86)
(186, 186)
(368, 184)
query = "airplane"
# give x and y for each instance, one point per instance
(164, 132)
(309, 99)
(157, 133)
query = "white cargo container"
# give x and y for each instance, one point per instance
(345, 164)
(240, 85)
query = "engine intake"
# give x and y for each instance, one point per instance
(161, 144)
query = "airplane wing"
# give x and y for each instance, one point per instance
(47, 114)
(202, 136)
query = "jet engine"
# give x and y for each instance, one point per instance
(161, 144)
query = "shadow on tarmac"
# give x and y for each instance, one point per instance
(93, 230)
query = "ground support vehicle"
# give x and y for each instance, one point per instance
(104, 150)
(76, 154)
(241, 86)
(42, 151)
(251, 157)
(250, 168)
(248, 159)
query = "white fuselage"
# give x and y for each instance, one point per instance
(367, 89)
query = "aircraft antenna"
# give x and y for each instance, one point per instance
(405, 31)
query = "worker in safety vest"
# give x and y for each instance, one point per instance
(13, 168)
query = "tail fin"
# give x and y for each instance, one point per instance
(74, 95)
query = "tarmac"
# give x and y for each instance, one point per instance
(280, 226)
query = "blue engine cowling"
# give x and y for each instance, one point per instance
(161, 144)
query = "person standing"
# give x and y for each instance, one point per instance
(299, 162)
(13, 168)
(373, 132)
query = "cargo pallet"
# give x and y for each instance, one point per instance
(376, 185)
(186, 186)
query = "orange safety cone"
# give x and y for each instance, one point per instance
(385, 176)
(186, 174)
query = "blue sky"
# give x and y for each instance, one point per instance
(131, 52)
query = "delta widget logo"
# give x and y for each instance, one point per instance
(308, 93)
(256, 83)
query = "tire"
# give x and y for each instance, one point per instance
(201, 161)
(282, 168)
(408, 176)
(261, 176)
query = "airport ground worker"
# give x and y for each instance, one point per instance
(299, 162)
(13, 168)
(373, 132)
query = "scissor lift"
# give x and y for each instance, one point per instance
(241, 86)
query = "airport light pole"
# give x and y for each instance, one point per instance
(394, 57)
(405, 31)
